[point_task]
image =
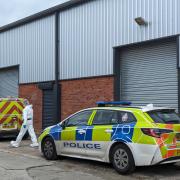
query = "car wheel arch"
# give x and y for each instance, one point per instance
(118, 143)
(114, 152)
(44, 138)
(52, 149)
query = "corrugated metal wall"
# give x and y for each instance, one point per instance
(32, 46)
(88, 32)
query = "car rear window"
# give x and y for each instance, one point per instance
(165, 116)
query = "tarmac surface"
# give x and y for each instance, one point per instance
(26, 163)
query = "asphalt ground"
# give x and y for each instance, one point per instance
(27, 163)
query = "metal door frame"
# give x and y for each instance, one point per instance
(116, 62)
(51, 86)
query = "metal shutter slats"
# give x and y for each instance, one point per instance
(9, 82)
(148, 74)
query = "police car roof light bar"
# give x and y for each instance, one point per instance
(104, 103)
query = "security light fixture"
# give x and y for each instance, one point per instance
(140, 21)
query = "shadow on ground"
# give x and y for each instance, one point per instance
(146, 172)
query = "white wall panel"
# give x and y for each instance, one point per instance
(32, 47)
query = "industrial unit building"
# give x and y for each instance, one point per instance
(82, 51)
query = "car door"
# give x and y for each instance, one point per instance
(102, 130)
(73, 135)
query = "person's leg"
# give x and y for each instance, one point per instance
(19, 137)
(33, 135)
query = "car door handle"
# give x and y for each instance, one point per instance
(108, 130)
(81, 131)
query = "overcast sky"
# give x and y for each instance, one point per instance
(12, 10)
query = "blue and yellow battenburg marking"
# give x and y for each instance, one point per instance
(94, 133)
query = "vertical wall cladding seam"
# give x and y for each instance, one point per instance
(32, 47)
(89, 31)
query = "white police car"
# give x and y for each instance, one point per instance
(124, 136)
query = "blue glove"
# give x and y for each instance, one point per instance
(24, 126)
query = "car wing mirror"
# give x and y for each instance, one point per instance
(63, 125)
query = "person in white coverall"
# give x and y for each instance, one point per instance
(27, 125)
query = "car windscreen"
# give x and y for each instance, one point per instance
(165, 116)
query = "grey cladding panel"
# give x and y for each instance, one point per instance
(32, 47)
(88, 32)
(149, 74)
(9, 82)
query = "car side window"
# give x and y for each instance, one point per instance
(80, 119)
(106, 117)
(126, 117)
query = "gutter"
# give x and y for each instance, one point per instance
(57, 85)
(42, 14)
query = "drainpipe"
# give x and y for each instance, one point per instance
(57, 85)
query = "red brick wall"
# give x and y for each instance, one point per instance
(84, 93)
(34, 95)
(75, 95)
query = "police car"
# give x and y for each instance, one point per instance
(116, 133)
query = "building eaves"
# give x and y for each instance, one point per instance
(42, 14)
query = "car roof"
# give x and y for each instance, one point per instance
(11, 99)
(116, 108)
(130, 108)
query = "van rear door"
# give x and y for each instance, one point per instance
(8, 115)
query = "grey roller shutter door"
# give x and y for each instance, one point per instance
(148, 74)
(9, 80)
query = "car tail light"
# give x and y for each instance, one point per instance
(155, 132)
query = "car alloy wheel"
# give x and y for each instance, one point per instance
(49, 149)
(122, 159)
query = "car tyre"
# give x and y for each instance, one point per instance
(122, 159)
(49, 149)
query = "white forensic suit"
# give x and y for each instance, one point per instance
(27, 125)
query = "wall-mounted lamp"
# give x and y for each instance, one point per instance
(140, 21)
